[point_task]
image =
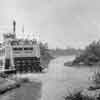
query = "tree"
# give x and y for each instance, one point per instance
(90, 55)
(45, 54)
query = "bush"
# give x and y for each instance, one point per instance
(90, 56)
(96, 78)
(96, 81)
(45, 54)
(78, 96)
(24, 80)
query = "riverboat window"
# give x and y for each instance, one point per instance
(14, 42)
(1, 62)
(17, 48)
(28, 48)
(2, 52)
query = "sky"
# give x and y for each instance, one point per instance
(60, 23)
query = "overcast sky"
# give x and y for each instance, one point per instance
(61, 23)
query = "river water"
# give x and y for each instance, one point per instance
(62, 79)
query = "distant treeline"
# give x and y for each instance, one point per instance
(65, 52)
(90, 55)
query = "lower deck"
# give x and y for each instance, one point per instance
(25, 64)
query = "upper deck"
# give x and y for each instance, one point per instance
(15, 47)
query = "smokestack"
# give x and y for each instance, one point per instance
(23, 29)
(14, 26)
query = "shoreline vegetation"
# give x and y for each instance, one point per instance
(48, 54)
(89, 57)
(45, 57)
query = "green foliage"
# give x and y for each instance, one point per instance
(91, 54)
